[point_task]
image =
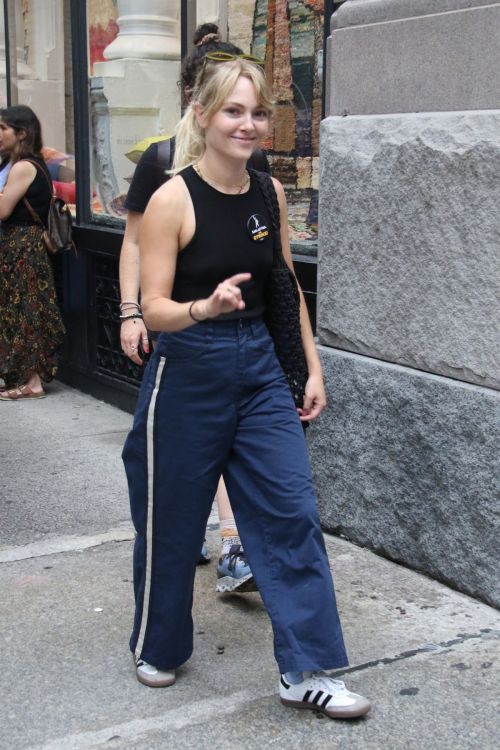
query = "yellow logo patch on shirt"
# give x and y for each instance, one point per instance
(257, 228)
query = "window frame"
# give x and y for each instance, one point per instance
(81, 103)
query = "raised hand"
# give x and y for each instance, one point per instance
(225, 298)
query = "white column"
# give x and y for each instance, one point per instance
(207, 11)
(139, 78)
(16, 30)
(43, 89)
(151, 34)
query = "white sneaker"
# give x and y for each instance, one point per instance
(153, 677)
(320, 692)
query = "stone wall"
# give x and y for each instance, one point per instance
(412, 272)
(405, 464)
(414, 56)
(409, 287)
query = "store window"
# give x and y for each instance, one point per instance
(134, 68)
(35, 74)
(3, 65)
(289, 36)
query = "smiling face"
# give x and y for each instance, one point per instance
(9, 138)
(236, 129)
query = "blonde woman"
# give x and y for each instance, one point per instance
(214, 400)
(233, 570)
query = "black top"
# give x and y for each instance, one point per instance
(150, 174)
(38, 194)
(233, 234)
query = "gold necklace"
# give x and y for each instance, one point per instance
(212, 182)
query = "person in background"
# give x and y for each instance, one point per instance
(4, 172)
(233, 571)
(31, 330)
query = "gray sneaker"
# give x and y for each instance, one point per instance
(233, 572)
(152, 677)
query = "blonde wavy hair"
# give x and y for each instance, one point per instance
(214, 83)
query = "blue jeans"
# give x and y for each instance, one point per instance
(214, 401)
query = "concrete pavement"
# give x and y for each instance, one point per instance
(426, 656)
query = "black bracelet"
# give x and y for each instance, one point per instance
(128, 317)
(190, 311)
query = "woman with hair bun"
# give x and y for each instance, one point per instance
(233, 571)
(31, 328)
(214, 400)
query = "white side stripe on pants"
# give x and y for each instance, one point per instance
(149, 525)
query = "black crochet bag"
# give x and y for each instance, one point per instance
(282, 299)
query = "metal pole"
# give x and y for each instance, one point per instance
(188, 25)
(7, 50)
(10, 51)
(81, 109)
(326, 33)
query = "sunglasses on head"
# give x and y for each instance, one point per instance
(228, 57)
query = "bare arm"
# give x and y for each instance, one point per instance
(133, 332)
(315, 397)
(20, 178)
(167, 226)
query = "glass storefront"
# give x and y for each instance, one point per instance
(102, 76)
(33, 71)
(134, 66)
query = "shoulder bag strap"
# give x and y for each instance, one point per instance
(26, 202)
(266, 185)
(165, 153)
(41, 169)
(33, 213)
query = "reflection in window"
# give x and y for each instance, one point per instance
(134, 67)
(37, 79)
(289, 36)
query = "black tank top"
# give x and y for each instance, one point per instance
(233, 234)
(38, 194)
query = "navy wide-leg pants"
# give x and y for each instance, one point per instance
(214, 401)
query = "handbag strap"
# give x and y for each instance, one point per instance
(33, 213)
(26, 202)
(42, 170)
(266, 185)
(166, 153)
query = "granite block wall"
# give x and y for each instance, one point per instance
(407, 463)
(406, 457)
(409, 267)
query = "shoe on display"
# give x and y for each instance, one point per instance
(320, 692)
(152, 677)
(233, 572)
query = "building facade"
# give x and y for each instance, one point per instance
(102, 75)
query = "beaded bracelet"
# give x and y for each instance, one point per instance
(128, 317)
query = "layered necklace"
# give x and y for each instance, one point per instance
(239, 188)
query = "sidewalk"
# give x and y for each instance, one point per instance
(426, 656)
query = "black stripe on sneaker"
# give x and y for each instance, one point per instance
(307, 696)
(318, 695)
(284, 683)
(326, 701)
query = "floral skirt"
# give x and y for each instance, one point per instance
(31, 327)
